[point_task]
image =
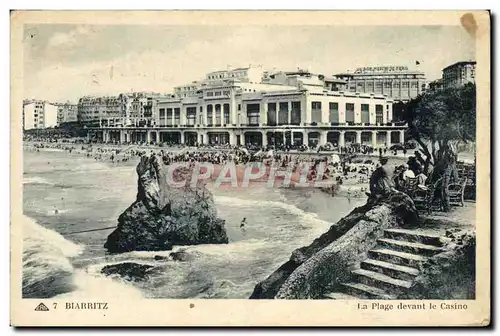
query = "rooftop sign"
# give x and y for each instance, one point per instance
(381, 69)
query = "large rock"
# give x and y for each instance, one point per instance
(320, 267)
(165, 215)
(128, 270)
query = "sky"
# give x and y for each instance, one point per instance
(65, 62)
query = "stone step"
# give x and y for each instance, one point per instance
(366, 292)
(390, 269)
(340, 296)
(416, 236)
(409, 247)
(397, 257)
(381, 281)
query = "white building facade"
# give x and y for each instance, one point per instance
(66, 113)
(459, 74)
(230, 111)
(38, 114)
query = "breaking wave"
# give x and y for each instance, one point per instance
(256, 204)
(35, 180)
(48, 272)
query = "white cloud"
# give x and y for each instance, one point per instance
(68, 39)
(152, 69)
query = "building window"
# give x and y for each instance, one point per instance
(271, 114)
(349, 112)
(217, 93)
(218, 113)
(177, 116)
(226, 93)
(283, 113)
(316, 112)
(253, 113)
(191, 115)
(209, 115)
(295, 114)
(169, 116)
(379, 114)
(227, 115)
(334, 113)
(405, 84)
(365, 113)
(162, 113)
(201, 109)
(210, 94)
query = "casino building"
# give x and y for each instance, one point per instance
(250, 106)
(397, 82)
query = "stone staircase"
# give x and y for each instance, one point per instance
(391, 267)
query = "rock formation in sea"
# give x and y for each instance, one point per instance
(128, 270)
(315, 269)
(164, 215)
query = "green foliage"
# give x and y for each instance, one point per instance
(439, 121)
(444, 115)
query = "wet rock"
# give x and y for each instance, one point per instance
(128, 270)
(182, 255)
(159, 257)
(315, 269)
(165, 215)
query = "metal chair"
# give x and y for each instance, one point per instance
(456, 192)
(424, 198)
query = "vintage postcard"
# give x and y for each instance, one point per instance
(250, 168)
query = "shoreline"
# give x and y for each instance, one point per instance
(341, 191)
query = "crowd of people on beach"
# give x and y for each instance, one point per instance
(346, 170)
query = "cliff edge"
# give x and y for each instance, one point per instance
(315, 269)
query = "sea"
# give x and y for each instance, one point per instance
(66, 193)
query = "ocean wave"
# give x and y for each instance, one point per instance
(47, 270)
(97, 286)
(256, 204)
(35, 180)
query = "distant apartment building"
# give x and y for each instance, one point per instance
(398, 82)
(235, 107)
(459, 74)
(124, 109)
(66, 113)
(39, 114)
(99, 111)
(250, 74)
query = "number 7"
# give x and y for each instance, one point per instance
(55, 305)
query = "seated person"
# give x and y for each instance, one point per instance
(407, 173)
(421, 179)
(380, 184)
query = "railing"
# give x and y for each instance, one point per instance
(314, 124)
